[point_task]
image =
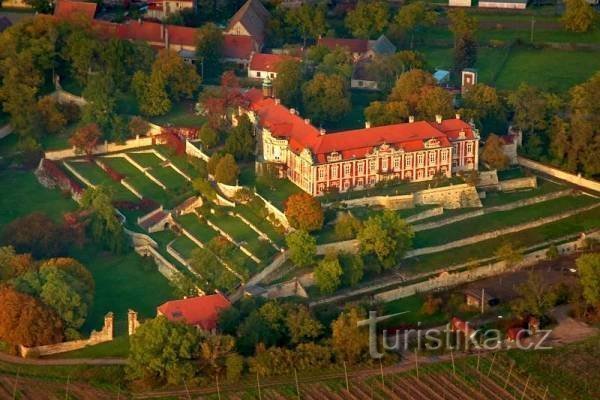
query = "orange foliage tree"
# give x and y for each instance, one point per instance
(303, 211)
(86, 139)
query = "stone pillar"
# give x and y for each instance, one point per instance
(109, 328)
(132, 322)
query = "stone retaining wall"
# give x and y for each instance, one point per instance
(232, 240)
(525, 182)
(106, 147)
(228, 190)
(557, 173)
(397, 202)
(167, 269)
(279, 260)
(5, 131)
(279, 215)
(450, 197)
(447, 280)
(432, 212)
(194, 151)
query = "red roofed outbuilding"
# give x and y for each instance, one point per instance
(266, 65)
(202, 311)
(67, 9)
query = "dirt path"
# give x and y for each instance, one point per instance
(65, 361)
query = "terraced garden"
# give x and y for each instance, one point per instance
(96, 176)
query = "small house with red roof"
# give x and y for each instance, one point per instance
(160, 9)
(266, 65)
(319, 162)
(201, 311)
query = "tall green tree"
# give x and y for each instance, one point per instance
(579, 16)
(163, 352)
(349, 341)
(414, 17)
(227, 170)
(368, 20)
(588, 266)
(326, 98)
(301, 325)
(209, 50)
(104, 226)
(308, 20)
(387, 237)
(288, 83)
(101, 107)
(328, 274)
(302, 248)
(241, 142)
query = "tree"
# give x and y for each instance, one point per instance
(209, 50)
(465, 53)
(368, 19)
(387, 68)
(387, 236)
(227, 170)
(588, 266)
(349, 341)
(180, 78)
(301, 325)
(579, 16)
(213, 273)
(533, 109)
(213, 351)
(380, 113)
(254, 331)
(302, 248)
(535, 296)
(413, 17)
(209, 136)
(326, 98)
(37, 234)
(507, 253)
(51, 116)
(13, 265)
(346, 226)
(304, 212)
(462, 24)
(85, 139)
(434, 101)
(25, 321)
(410, 87)
(150, 93)
(162, 351)
(103, 224)
(493, 153)
(309, 20)
(120, 59)
(101, 101)
(336, 62)
(234, 365)
(482, 103)
(288, 83)
(353, 268)
(328, 274)
(138, 127)
(82, 52)
(241, 142)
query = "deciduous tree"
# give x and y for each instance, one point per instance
(493, 153)
(240, 141)
(104, 226)
(588, 266)
(227, 170)
(413, 17)
(308, 20)
(85, 139)
(349, 341)
(579, 16)
(326, 97)
(387, 236)
(138, 127)
(353, 268)
(328, 274)
(368, 19)
(302, 248)
(208, 136)
(288, 83)
(304, 212)
(51, 116)
(209, 50)
(37, 234)
(301, 325)
(380, 113)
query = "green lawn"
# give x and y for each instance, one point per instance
(182, 114)
(499, 220)
(167, 175)
(21, 194)
(548, 69)
(500, 198)
(244, 235)
(279, 192)
(569, 226)
(261, 223)
(184, 246)
(96, 175)
(197, 227)
(118, 347)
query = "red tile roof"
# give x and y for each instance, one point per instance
(141, 30)
(182, 35)
(238, 47)
(353, 45)
(68, 9)
(267, 62)
(202, 311)
(282, 123)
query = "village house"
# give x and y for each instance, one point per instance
(506, 4)
(265, 65)
(201, 311)
(319, 162)
(361, 48)
(160, 9)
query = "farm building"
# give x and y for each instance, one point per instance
(509, 4)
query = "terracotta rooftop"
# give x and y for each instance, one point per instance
(69, 9)
(238, 47)
(253, 16)
(267, 62)
(202, 311)
(285, 123)
(353, 45)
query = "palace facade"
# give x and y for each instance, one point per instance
(320, 162)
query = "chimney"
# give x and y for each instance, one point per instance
(293, 111)
(411, 119)
(457, 116)
(367, 124)
(277, 101)
(322, 131)
(438, 118)
(162, 31)
(307, 121)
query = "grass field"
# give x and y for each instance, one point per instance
(197, 227)
(93, 173)
(167, 175)
(184, 246)
(182, 114)
(499, 220)
(500, 198)
(261, 223)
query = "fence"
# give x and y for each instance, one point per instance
(560, 174)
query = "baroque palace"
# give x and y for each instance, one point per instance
(320, 162)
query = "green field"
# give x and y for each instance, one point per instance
(197, 227)
(261, 223)
(500, 198)
(167, 175)
(93, 173)
(499, 220)
(181, 114)
(184, 246)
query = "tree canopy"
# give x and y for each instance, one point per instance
(368, 19)
(326, 97)
(302, 248)
(303, 211)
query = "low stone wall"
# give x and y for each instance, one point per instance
(5, 131)
(228, 190)
(96, 337)
(167, 269)
(255, 229)
(232, 240)
(432, 212)
(398, 202)
(557, 173)
(286, 289)
(446, 280)
(279, 215)
(487, 179)
(526, 182)
(450, 197)
(133, 190)
(279, 260)
(194, 151)
(175, 254)
(106, 147)
(140, 239)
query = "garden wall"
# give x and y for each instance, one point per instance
(228, 190)
(451, 197)
(397, 202)
(557, 173)
(432, 212)
(348, 246)
(446, 280)
(525, 182)
(106, 147)
(279, 215)
(96, 337)
(5, 131)
(164, 267)
(194, 151)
